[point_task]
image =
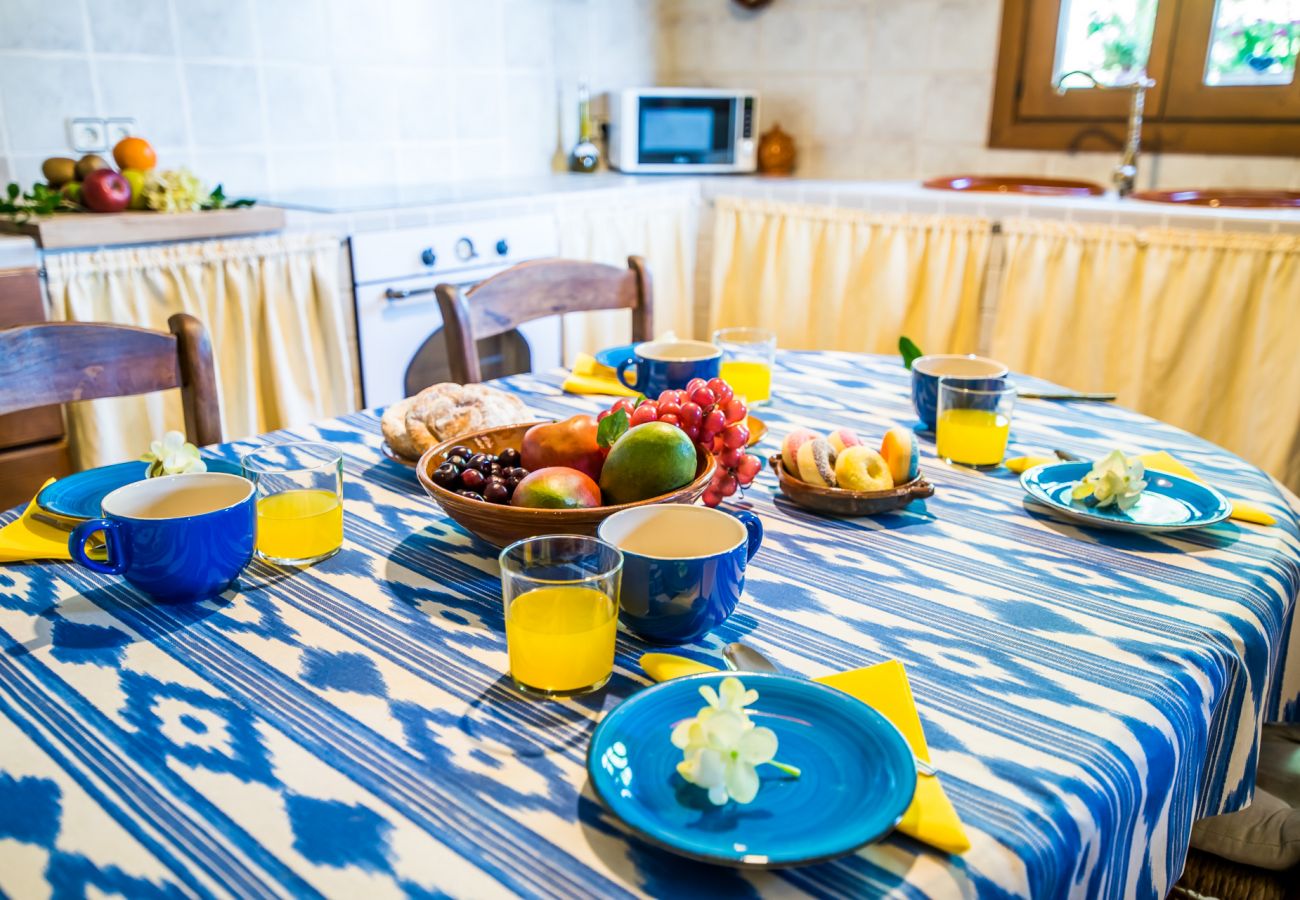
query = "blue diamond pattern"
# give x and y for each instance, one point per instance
(29, 810)
(242, 755)
(332, 833)
(70, 875)
(354, 672)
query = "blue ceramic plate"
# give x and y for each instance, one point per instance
(1169, 503)
(78, 495)
(858, 775)
(612, 356)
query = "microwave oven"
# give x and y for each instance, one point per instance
(662, 130)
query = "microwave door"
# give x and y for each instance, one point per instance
(686, 131)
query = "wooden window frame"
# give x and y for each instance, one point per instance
(1182, 114)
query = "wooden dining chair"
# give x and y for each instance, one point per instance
(531, 290)
(59, 362)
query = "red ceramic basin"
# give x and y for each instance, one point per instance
(1242, 197)
(1016, 184)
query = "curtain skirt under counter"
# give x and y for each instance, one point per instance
(273, 310)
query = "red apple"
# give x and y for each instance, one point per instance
(570, 443)
(105, 191)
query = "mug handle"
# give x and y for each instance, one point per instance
(622, 368)
(115, 564)
(754, 525)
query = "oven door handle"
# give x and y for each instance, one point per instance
(393, 294)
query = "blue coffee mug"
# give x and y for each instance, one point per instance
(683, 567)
(975, 372)
(670, 365)
(175, 538)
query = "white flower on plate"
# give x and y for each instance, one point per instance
(1114, 479)
(721, 748)
(173, 456)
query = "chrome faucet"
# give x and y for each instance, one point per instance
(1124, 176)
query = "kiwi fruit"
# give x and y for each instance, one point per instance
(59, 170)
(89, 163)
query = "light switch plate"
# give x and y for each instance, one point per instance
(118, 128)
(87, 134)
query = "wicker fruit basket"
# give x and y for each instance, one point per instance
(501, 525)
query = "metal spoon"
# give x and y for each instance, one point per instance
(744, 658)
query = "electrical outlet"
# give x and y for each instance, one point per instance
(87, 134)
(118, 128)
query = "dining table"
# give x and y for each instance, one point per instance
(349, 729)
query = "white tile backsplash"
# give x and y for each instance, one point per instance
(225, 101)
(270, 95)
(147, 90)
(278, 95)
(38, 93)
(129, 26)
(41, 25)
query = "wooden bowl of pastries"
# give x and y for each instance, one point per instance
(836, 501)
(502, 524)
(445, 412)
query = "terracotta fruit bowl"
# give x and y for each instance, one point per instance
(1015, 184)
(501, 524)
(839, 502)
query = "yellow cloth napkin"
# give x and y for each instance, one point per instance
(590, 377)
(884, 687)
(27, 539)
(1160, 461)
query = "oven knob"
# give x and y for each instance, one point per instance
(465, 249)
(428, 257)
(502, 247)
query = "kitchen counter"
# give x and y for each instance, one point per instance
(373, 199)
(18, 253)
(353, 210)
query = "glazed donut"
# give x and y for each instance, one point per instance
(790, 448)
(843, 438)
(816, 460)
(862, 469)
(900, 450)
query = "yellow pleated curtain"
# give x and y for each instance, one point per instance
(831, 278)
(664, 232)
(279, 328)
(1197, 328)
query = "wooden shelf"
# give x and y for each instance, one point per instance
(66, 230)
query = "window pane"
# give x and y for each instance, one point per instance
(1254, 42)
(1108, 39)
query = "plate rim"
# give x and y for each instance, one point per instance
(44, 507)
(735, 862)
(1032, 487)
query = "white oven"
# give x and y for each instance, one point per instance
(399, 325)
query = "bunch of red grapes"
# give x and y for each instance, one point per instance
(714, 419)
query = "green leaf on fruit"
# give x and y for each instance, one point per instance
(911, 352)
(611, 428)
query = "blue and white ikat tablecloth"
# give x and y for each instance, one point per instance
(347, 730)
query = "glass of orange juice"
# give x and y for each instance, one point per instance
(974, 422)
(299, 501)
(561, 604)
(748, 355)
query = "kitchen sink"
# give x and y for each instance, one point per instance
(1016, 184)
(1243, 197)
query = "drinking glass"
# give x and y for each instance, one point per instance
(561, 604)
(299, 501)
(748, 355)
(974, 423)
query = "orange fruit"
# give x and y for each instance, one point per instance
(135, 153)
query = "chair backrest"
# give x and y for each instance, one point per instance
(531, 290)
(59, 362)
